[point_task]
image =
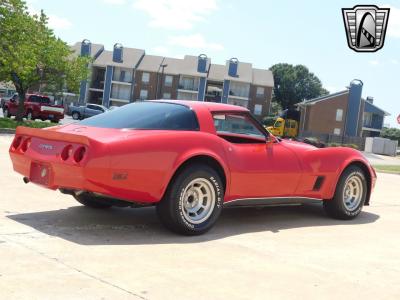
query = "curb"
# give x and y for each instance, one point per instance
(7, 131)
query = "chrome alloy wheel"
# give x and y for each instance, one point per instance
(353, 192)
(198, 200)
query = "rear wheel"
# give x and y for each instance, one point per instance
(92, 201)
(76, 115)
(193, 201)
(54, 121)
(350, 195)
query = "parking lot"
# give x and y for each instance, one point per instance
(53, 248)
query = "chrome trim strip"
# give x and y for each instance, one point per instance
(270, 201)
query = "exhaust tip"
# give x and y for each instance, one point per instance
(26, 179)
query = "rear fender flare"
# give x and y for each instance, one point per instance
(188, 156)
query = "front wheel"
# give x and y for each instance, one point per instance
(76, 115)
(193, 201)
(350, 195)
(92, 201)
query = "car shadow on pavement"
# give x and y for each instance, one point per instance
(124, 226)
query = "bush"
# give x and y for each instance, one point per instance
(12, 124)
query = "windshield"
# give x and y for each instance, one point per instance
(147, 115)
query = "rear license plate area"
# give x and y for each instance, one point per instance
(40, 173)
(51, 116)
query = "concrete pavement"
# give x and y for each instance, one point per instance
(53, 248)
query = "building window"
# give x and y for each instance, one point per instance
(260, 91)
(339, 115)
(167, 96)
(188, 83)
(143, 94)
(239, 89)
(336, 131)
(119, 91)
(168, 80)
(145, 77)
(122, 75)
(258, 109)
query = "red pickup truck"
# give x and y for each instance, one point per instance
(35, 107)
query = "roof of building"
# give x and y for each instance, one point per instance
(130, 58)
(322, 98)
(375, 108)
(151, 63)
(263, 77)
(245, 73)
(95, 49)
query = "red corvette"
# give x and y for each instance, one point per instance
(190, 159)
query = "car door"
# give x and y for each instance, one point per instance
(90, 111)
(258, 169)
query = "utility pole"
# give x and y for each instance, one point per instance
(159, 86)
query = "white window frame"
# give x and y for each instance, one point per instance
(258, 109)
(145, 75)
(336, 131)
(141, 96)
(339, 115)
(168, 82)
(258, 93)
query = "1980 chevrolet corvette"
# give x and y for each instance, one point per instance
(190, 159)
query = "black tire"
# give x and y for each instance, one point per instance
(54, 121)
(171, 209)
(92, 201)
(337, 207)
(6, 113)
(76, 115)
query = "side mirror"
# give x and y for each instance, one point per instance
(270, 140)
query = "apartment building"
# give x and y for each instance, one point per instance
(342, 113)
(126, 75)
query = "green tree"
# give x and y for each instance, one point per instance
(294, 84)
(30, 54)
(391, 133)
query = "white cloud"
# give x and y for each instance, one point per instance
(393, 27)
(374, 62)
(176, 14)
(115, 2)
(194, 41)
(56, 22)
(160, 50)
(394, 61)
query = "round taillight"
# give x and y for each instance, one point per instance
(25, 145)
(17, 141)
(66, 153)
(79, 154)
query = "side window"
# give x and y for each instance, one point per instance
(236, 124)
(91, 106)
(35, 99)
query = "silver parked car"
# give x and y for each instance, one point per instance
(86, 111)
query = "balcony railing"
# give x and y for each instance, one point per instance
(188, 87)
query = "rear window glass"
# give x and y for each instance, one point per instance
(39, 99)
(146, 115)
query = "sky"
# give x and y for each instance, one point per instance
(262, 32)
